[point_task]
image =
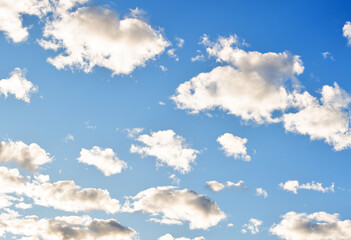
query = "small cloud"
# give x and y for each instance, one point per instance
(175, 179)
(69, 138)
(294, 186)
(180, 42)
(133, 132)
(252, 226)
(161, 103)
(217, 186)
(230, 225)
(88, 125)
(171, 53)
(234, 146)
(326, 55)
(198, 57)
(163, 68)
(261, 192)
(137, 13)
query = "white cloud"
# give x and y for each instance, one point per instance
(215, 186)
(347, 32)
(240, 184)
(252, 226)
(103, 159)
(262, 87)
(180, 42)
(23, 205)
(60, 228)
(6, 200)
(234, 146)
(172, 54)
(261, 192)
(11, 16)
(11, 181)
(199, 57)
(89, 125)
(161, 103)
(176, 206)
(251, 85)
(328, 120)
(230, 225)
(168, 148)
(294, 185)
(17, 85)
(95, 36)
(69, 138)
(137, 13)
(27, 156)
(67, 196)
(175, 179)
(328, 55)
(163, 68)
(132, 133)
(316, 226)
(62, 195)
(170, 237)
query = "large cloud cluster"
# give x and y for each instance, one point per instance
(96, 36)
(251, 85)
(263, 87)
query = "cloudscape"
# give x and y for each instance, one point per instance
(175, 120)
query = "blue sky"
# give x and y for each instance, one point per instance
(170, 119)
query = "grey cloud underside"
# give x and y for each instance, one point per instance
(315, 226)
(169, 205)
(63, 228)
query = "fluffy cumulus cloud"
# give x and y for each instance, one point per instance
(96, 36)
(63, 228)
(263, 87)
(217, 186)
(11, 13)
(327, 118)
(168, 148)
(294, 186)
(251, 85)
(103, 159)
(67, 196)
(61, 195)
(169, 205)
(315, 226)
(17, 85)
(252, 227)
(27, 156)
(11, 181)
(170, 237)
(234, 146)
(347, 31)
